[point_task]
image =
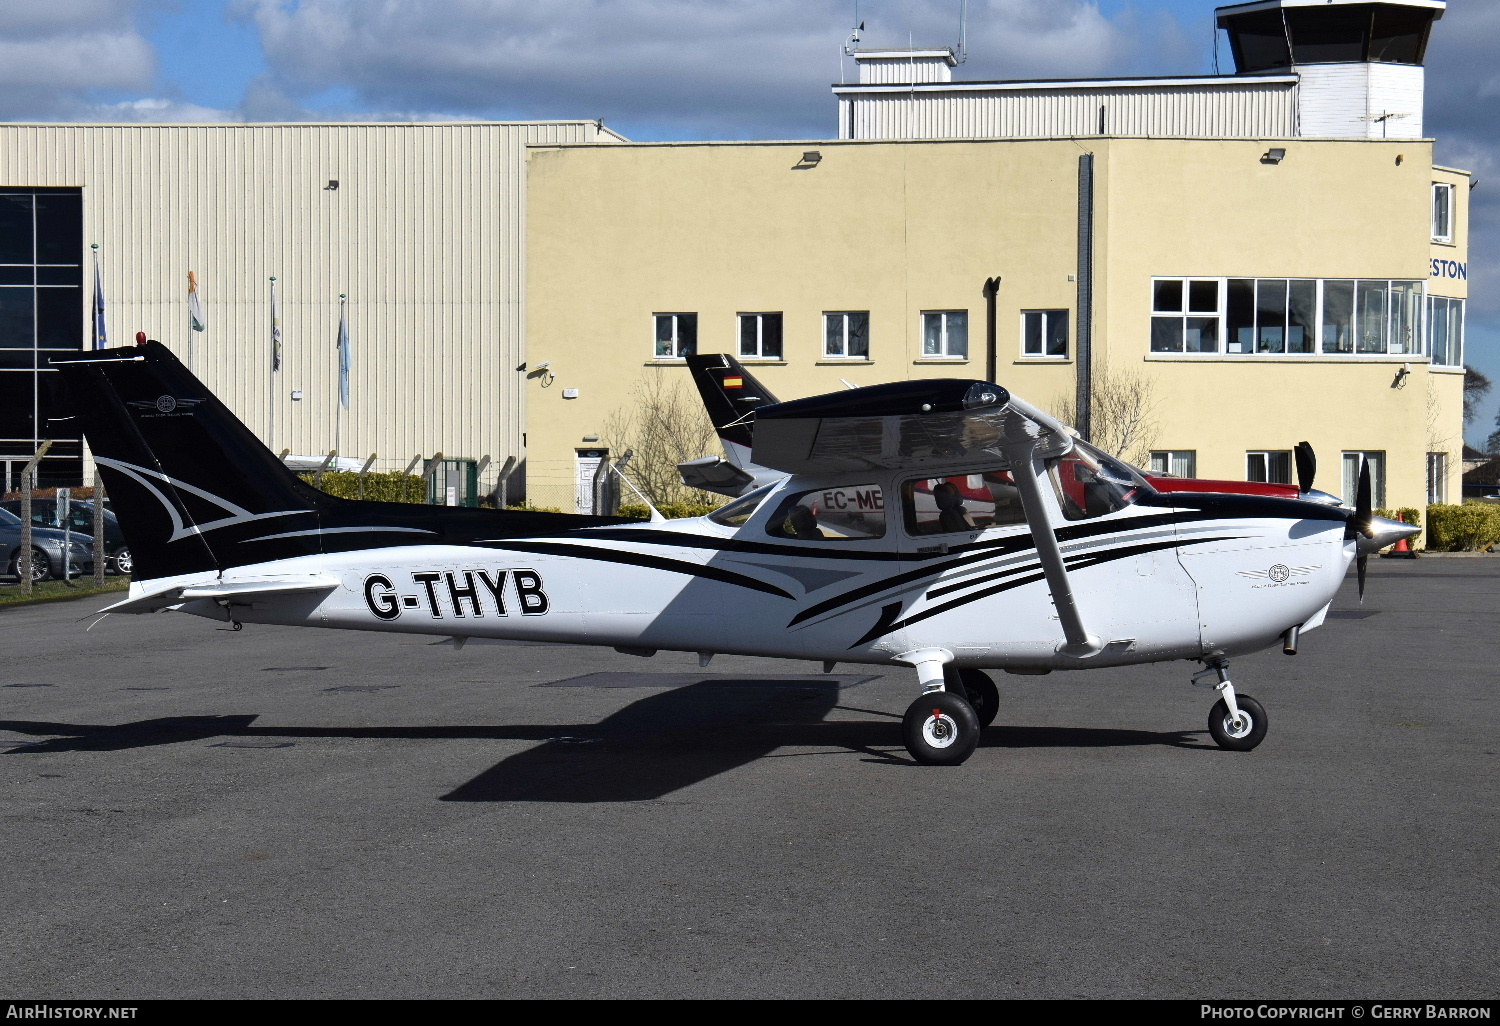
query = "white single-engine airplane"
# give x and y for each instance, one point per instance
(943, 525)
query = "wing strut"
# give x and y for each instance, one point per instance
(1019, 446)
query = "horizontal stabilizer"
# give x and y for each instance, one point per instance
(715, 474)
(240, 593)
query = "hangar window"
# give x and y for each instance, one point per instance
(676, 335)
(41, 311)
(1175, 462)
(967, 502)
(1044, 333)
(760, 336)
(1442, 212)
(1445, 327)
(1269, 466)
(836, 513)
(1287, 316)
(1437, 478)
(846, 335)
(1186, 315)
(945, 334)
(1352, 461)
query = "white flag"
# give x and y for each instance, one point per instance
(195, 305)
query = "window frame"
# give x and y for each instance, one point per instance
(1350, 482)
(846, 334)
(1448, 208)
(676, 339)
(778, 517)
(1048, 317)
(1404, 308)
(1190, 457)
(944, 343)
(1437, 478)
(907, 490)
(1266, 456)
(1454, 312)
(760, 355)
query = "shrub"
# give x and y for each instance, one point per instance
(670, 510)
(1407, 514)
(530, 507)
(1472, 527)
(392, 487)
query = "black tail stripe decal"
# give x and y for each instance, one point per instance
(882, 626)
(675, 566)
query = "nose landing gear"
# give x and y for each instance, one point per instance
(1236, 722)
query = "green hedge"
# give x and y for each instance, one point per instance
(1472, 527)
(670, 510)
(1408, 514)
(392, 487)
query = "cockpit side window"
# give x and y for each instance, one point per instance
(1091, 484)
(967, 502)
(735, 512)
(836, 513)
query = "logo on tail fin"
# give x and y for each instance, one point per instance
(167, 405)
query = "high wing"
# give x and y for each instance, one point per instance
(955, 425)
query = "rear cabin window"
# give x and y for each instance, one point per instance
(1090, 484)
(970, 502)
(840, 513)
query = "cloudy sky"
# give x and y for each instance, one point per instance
(659, 69)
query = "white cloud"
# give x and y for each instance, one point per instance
(707, 67)
(52, 55)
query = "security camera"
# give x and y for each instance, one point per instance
(544, 365)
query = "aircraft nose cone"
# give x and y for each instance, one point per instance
(1385, 532)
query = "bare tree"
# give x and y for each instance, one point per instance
(665, 425)
(1124, 413)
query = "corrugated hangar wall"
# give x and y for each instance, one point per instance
(1248, 109)
(424, 232)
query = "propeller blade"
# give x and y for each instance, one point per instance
(1359, 568)
(1307, 466)
(1361, 524)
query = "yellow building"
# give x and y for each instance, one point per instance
(1246, 294)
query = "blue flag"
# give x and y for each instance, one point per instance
(101, 337)
(345, 357)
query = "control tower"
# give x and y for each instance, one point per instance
(1359, 65)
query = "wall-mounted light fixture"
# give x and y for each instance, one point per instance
(1401, 376)
(810, 159)
(1275, 155)
(296, 395)
(332, 186)
(542, 370)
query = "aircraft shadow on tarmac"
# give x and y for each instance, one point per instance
(653, 747)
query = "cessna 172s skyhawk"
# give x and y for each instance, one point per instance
(943, 525)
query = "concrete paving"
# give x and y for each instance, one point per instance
(192, 812)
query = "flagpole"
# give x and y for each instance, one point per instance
(343, 346)
(101, 340)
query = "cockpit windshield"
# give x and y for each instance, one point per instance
(1091, 483)
(736, 512)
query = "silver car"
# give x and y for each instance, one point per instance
(46, 551)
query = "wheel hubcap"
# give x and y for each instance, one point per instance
(940, 731)
(1238, 727)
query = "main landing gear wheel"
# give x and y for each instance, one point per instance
(977, 686)
(1241, 735)
(940, 729)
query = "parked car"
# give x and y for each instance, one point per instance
(81, 519)
(47, 560)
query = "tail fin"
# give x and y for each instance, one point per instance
(194, 490)
(731, 394)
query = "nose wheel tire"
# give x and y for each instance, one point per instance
(1241, 736)
(940, 729)
(980, 690)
